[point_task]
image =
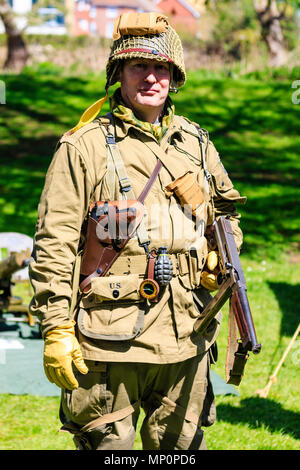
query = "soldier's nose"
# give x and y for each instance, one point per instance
(150, 78)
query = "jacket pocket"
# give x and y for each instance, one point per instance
(224, 187)
(191, 264)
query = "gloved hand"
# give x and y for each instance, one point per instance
(210, 272)
(60, 350)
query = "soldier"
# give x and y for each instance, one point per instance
(116, 343)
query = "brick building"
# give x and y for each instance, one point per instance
(96, 17)
(182, 14)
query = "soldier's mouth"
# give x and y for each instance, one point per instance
(149, 92)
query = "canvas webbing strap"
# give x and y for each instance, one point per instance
(110, 176)
(111, 417)
(196, 131)
(236, 355)
(203, 153)
(114, 157)
(123, 413)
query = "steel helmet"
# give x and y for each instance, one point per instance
(146, 35)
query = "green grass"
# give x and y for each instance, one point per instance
(246, 422)
(251, 422)
(255, 126)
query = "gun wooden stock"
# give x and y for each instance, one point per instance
(232, 286)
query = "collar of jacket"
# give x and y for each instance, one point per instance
(123, 128)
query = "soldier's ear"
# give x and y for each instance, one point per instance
(119, 71)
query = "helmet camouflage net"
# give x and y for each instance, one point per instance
(162, 44)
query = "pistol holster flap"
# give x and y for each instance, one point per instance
(110, 225)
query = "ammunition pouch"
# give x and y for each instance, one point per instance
(187, 191)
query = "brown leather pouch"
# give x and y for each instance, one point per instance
(110, 225)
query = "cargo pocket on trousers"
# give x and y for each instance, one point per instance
(91, 399)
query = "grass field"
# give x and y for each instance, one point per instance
(255, 127)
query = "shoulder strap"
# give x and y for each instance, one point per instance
(115, 164)
(204, 151)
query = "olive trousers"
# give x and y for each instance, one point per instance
(177, 400)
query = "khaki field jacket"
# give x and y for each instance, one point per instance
(77, 176)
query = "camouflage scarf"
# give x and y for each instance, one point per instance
(119, 109)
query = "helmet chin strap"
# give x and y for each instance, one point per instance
(173, 85)
(92, 112)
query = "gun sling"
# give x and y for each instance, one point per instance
(236, 357)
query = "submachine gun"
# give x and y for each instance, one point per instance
(232, 286)
(9, 303)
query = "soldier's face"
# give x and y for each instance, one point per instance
(145, 83)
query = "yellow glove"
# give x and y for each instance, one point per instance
(61, 349)
(209, 277)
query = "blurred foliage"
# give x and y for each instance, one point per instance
(62, 41)
(34, 17)
(236, 28)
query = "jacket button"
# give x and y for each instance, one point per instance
(115, 293)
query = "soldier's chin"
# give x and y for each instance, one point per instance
(149, 100)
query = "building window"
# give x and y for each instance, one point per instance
(82, 5)
(83, 24)
(111, 12)
(22, 6)
(109, 28)
(93, 27)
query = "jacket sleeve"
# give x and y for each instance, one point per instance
(61, 211)
(224, 195)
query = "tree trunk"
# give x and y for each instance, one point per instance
(269, 18)
(17, 54)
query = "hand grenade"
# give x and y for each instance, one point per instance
(163, 268)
